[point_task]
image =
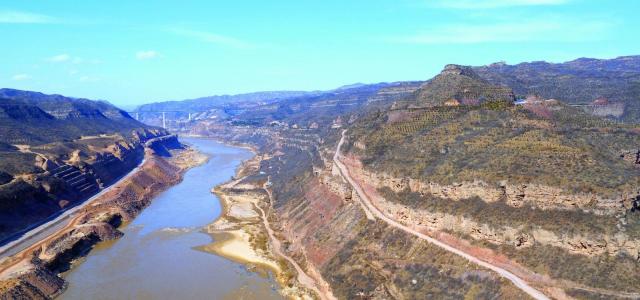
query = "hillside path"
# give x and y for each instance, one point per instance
(364, 198)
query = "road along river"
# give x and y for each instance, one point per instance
(157, 259)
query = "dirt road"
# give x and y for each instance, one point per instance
(366, 202)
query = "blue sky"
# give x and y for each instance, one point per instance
(131, 52)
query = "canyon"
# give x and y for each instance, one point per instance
(480, 183)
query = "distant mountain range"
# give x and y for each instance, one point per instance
(615, 83)
(210, 102)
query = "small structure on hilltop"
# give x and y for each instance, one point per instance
(551, 102)
(520, 102)
(452, 102)
(600, 101)
(337, 123)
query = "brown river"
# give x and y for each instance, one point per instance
(157, 256)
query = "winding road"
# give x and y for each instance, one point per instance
(371, 209)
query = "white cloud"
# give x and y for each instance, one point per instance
(66, 58)
(487, 4)
(18, 17)
(523, 31)
(142, 55)
(20, 77)
(59, 58)
(213, 38)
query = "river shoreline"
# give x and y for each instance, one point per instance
(239, 234)
(244, 234)
(34, 272)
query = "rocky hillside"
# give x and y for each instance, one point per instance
(548, 185)
(458, 85)
(56, 151)
(614, 82)
(534, 142)
(33, 118)
(35, 272)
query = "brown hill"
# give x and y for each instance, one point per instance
(462, 84)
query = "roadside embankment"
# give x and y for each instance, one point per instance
(34, 272)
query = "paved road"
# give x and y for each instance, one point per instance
(53, 224)
(364, 198)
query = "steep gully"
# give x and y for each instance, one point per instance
(372, 210)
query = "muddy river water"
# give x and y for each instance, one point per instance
(157, 257)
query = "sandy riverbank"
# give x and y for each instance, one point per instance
(240, 234)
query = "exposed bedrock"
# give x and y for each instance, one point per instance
(523, 197)
(327, 232)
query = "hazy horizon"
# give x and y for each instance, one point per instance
(126, 106)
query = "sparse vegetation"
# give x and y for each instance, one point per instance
(464, 144)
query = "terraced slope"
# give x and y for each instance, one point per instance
(55, 151)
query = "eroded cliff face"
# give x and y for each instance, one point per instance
(70, 177)
(518, 197)
(327, 231)
(34, 273)
(515, 195)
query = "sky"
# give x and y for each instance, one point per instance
(134, 52)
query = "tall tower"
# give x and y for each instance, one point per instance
(164, 121)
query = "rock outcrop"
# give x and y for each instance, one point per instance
(515, 195)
